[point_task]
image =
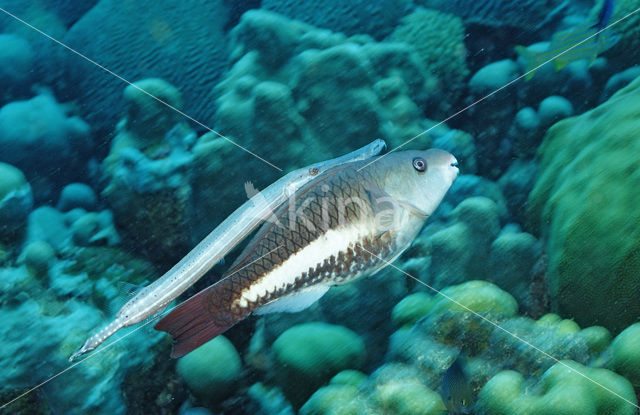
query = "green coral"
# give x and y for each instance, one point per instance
(478, 296)
(567, 388)
(12, 179)
(212, 370)
(113, 263)
(348, 377)
(38, 256)
(411, 309)
(585, 203)
(476, 223)
(458, 314)
(307, 355)
(439, 40)
(625, 351)
(334, 400)
(409, 398)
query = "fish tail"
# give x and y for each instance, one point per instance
(530, 61)
(198, 320)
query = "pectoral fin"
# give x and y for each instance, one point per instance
(413, 209)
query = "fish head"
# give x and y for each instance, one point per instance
(418, 179)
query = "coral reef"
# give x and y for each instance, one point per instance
(584, 204)
(77, 195)
(212, 370)
(300, 94)
(560, 391)
(180, 42)
(355, 17)
(309, 354)
(528, 16)
(535, 243)
(625, 354)
(148, 172)
(438, 39)
(32, 130)
(16, 201)
(16, 66)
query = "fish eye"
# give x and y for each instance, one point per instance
(419, 164)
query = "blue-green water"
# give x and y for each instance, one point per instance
(130, 129)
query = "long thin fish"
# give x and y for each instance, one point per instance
(153, 298)
(339, 227)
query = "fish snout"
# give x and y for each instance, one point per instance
(448, 163)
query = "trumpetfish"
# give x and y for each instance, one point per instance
(350, 221)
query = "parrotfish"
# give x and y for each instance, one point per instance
(350, 221)
(154, 298)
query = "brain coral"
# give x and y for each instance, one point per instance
(181, 42)
(585, 203)
(439, 40)
(524, 15)
(375, 18)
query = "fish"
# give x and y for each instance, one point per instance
(572, 42)
(351, 221)
(151, 300)
(456, 389)
(604, 16)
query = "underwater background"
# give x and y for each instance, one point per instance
(104, 188)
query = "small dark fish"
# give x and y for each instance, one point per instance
(456, 389)
(605, 14)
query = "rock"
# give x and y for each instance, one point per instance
(32, 131)
(625, 352)
(77, 195)
(309, 354)
(411, 309)
(16, 65)
(212, 370)
(16, 201)
(511, 261)
(493, 76)
(562, 391)
(553, 109)
(584, 204)
(38, 256)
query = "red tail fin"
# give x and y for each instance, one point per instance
(198, 320)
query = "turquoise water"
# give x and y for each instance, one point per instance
(130, 129)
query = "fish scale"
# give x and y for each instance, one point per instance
(273, 236)
(326, 235)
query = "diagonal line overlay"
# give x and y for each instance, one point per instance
(496, 325)
(139, 89)
(473, 104)
(102, 349)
